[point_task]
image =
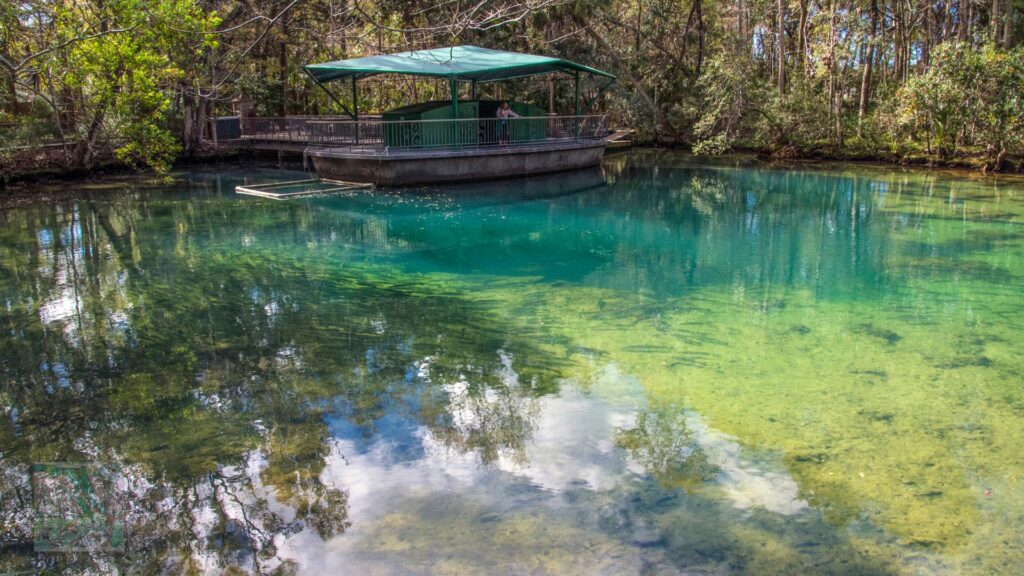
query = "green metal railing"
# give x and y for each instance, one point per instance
(373, 134)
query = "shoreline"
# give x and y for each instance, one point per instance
(18, 189)
(53, 172)
(965, 162)
(45, 185)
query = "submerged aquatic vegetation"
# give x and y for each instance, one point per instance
(690, 368)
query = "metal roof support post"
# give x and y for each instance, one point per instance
(355, 107)
(576, 97)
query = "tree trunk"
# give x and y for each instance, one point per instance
(969, 33)
(994, 34)
(839, 118)
(639, 19)
(833, 90)
(926, 43)
(961, 19)
(881, 64)
(801, 38)
(946, 24)
(781, 48)
(740, 35)
(898, 44)
(997, 165)
(1008, 26)
(699, 5)
(188, 119)
(199, 130)
(12, 94)
(83, 155)
(865, 81)
(282, 77)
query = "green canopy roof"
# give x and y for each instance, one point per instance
(470, 63)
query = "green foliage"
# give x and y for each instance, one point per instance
(119, 74)
(713, 146)
(267, 95)
(138, 79)
(149, 145)
(967, 98)
(736, 106)
(968, 101)
(729, 102)
(799, 119)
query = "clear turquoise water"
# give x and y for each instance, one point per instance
(664, 367)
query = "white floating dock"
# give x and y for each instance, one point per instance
(300, 188)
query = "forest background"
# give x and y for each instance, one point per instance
(85, 83)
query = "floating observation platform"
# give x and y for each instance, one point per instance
(432, 166)
(457, 140)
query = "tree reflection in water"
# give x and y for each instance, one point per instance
(205, 375)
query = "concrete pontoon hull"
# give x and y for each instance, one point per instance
(441, 166)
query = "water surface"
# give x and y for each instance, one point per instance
(666, 367)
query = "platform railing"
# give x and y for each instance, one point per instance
(284, 128)
(373, 133)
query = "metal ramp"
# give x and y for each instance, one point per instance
(619, 139)
(300, 188)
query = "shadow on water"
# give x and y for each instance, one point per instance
(666, 230)
(516, 191)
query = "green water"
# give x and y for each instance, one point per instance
(666, 367)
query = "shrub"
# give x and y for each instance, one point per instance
(968, 98)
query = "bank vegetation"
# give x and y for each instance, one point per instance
(136, 82)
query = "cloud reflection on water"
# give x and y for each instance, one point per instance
(572, 448)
